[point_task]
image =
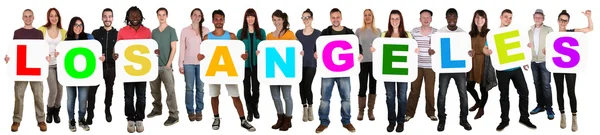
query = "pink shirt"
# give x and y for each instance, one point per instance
(128, 32)
(189, 45)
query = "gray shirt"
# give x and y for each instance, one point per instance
(366, 38)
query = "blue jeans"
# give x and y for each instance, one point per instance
(395, 90)
(343, 84)
(543, 90)
(460, 79)
(72, 93)
(192, 76)
(276, 91)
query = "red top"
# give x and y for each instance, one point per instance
(128, 32)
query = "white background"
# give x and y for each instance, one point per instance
(352, 10)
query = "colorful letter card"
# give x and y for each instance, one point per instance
(137, 61)
(451, 52)
(78, 63)
(395, 60)
(279, 62)
(338, 56)
(28, 60)
(222, 63)
(509, 48)
(566, 52)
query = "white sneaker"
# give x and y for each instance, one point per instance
(310, 113)
(130, 126)
(139, 126)
(574, 126)
(563, 121)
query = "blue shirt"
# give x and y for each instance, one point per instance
(511, 69)
(225, 36)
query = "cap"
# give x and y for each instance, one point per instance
(539, 11)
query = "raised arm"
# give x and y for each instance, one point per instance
(590, 27)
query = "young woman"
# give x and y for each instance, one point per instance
(478, 33)
(75, 32)
(189, 66)
(559, 78)
(366, 34)
(395, 90)
(308, 37)
(251, 34)
(53, 34)
(282, 32)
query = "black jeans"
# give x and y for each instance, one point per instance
(560, 90)
(251, 92)
(306, 95)
(137, 112)
(504, 78)
(459, 80)
(484, 93)
(366, 74)
(109, 82)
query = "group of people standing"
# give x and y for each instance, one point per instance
(252, 34)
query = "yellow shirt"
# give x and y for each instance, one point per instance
(407, 33)
(288, 35)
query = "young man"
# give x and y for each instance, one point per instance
(28, 32)
(504, 77)
(343, 83)
(422, 35)
(166, 37)
(218, 19)
(134, 30)
(107, 36)
(541, 75)
(459, 78)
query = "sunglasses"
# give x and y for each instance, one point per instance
(306, 17)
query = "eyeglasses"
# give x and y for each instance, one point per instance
(563, 21)
(306, 17)
(78, 25)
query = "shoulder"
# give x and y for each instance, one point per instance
(415, 30)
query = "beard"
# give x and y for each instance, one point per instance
(107, 24)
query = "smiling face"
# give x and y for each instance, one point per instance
(162, 16)
(278, 22)
(218, 20)
(135, 18)
(563, 21)
(78, 27)
(506, 19)
(538, 19)
(107, 18)
(28, 18)
(425, 19)
(53, 17)
(336, 19)
(250, 20)
(368, 17)
(395, 20)
(196, 16)
(452, 19)
(307, 19)
(479, 21)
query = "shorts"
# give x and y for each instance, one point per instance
(232, 90)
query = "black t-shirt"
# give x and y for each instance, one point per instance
(571, 30)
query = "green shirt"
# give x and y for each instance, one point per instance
(164, 39)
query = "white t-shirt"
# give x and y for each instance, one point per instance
(536, 39)
(445, 29)
(52, 46)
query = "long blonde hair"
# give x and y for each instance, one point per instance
(364, 26)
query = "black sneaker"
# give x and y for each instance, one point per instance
(390, 127)
(170, 121)
(153, 114)
(72, 126)
(216, 124)
(247, 126)
(527, 123)
(441, 125)
(466, 125)
(502, 125)
(400, 128)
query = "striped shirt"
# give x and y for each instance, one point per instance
(424, 43)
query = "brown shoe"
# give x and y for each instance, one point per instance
(350, 128)
(198, 117)
(480, 113)
(320, 128)
(42, 126)
(192, 117)
(15, 127)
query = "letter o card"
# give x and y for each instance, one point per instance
(338, 56)
(137, 61)
(78, 63)
(28, 60)
(509, 48)
(279, 62)
(566, 52)
(222, 63)
(395, 59)
(451, 52)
